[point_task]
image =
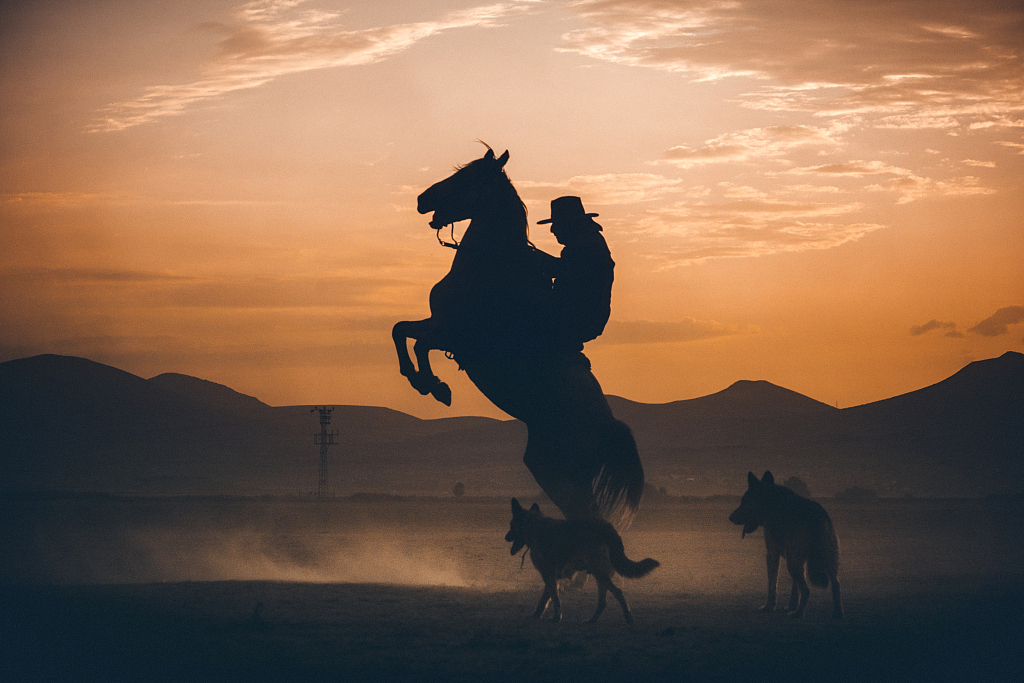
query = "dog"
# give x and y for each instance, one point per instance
(559, 548)
(799, 530)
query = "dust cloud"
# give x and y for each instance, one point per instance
(149, 541)
(374, 557)
(461, 544)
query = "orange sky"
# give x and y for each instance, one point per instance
(824, 195)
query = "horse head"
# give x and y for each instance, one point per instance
(460, 196)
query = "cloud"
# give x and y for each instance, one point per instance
(128, 288)
(1012, 145)
(950, 328)
(272, 38)
(81, 276)
(771, 141)
(691, 232)
(998, 323)
(654, 332)
(43, 201)
(853, 169)
(909, 186)
(62, 200)
(940, 64)
(913, 188)
(611, 188)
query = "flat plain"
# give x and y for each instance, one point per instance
(395, 590)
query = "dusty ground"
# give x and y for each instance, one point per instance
(169, 591)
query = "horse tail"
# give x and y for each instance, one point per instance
(619, 483)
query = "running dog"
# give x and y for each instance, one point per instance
(799, 530)
(559, 548)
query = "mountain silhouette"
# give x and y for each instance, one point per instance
(202, 392)
(71, 424)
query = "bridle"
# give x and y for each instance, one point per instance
(454, 244)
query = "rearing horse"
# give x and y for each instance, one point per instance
(492, 313)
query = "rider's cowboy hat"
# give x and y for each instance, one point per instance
(566, 209)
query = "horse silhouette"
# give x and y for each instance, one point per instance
(492, 313)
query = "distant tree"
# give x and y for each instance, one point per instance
(459, 490)
(652, 492)
(797, 486)
(857, 494)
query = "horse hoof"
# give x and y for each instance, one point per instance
(442, 393)
(425, 384)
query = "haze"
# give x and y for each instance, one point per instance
(826, 196)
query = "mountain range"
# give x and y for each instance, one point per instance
(71, 424)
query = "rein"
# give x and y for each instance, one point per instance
(454, 244)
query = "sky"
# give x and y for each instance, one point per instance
(827, 196)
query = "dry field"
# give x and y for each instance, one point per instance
(186, 590)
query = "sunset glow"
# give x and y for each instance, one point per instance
(827, 196)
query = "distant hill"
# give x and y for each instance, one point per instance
(71, 424)
(961, 436)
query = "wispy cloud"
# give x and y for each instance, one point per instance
(269, 39)
(745, 227)
(951, 331)
(658, 332)
(27, 201)
(164, 289)
(905, 183)
(80, 276)
(1019, 146)
(610, 188)
(999, 322)
(939, 64)
(755, 143)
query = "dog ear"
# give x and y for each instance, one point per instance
(768, 479)
(752, 480)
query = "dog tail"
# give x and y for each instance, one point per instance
(622, 564)
(823, 558)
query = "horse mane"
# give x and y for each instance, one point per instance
(516, 207)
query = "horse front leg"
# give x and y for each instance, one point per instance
(420, 375)
(400, 334)
(430, 383)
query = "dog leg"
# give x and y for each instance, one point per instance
(772, 560)
(837, 601)
(796, 570)
(545, 597)
(617, 592)
(556, 602)
(602, 601)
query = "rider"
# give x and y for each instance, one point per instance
(583, 274)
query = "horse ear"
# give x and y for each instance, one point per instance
(490, 154)
(516, 505)
(535, 508)
(502, 159)
(768, 479)
(752, 480)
